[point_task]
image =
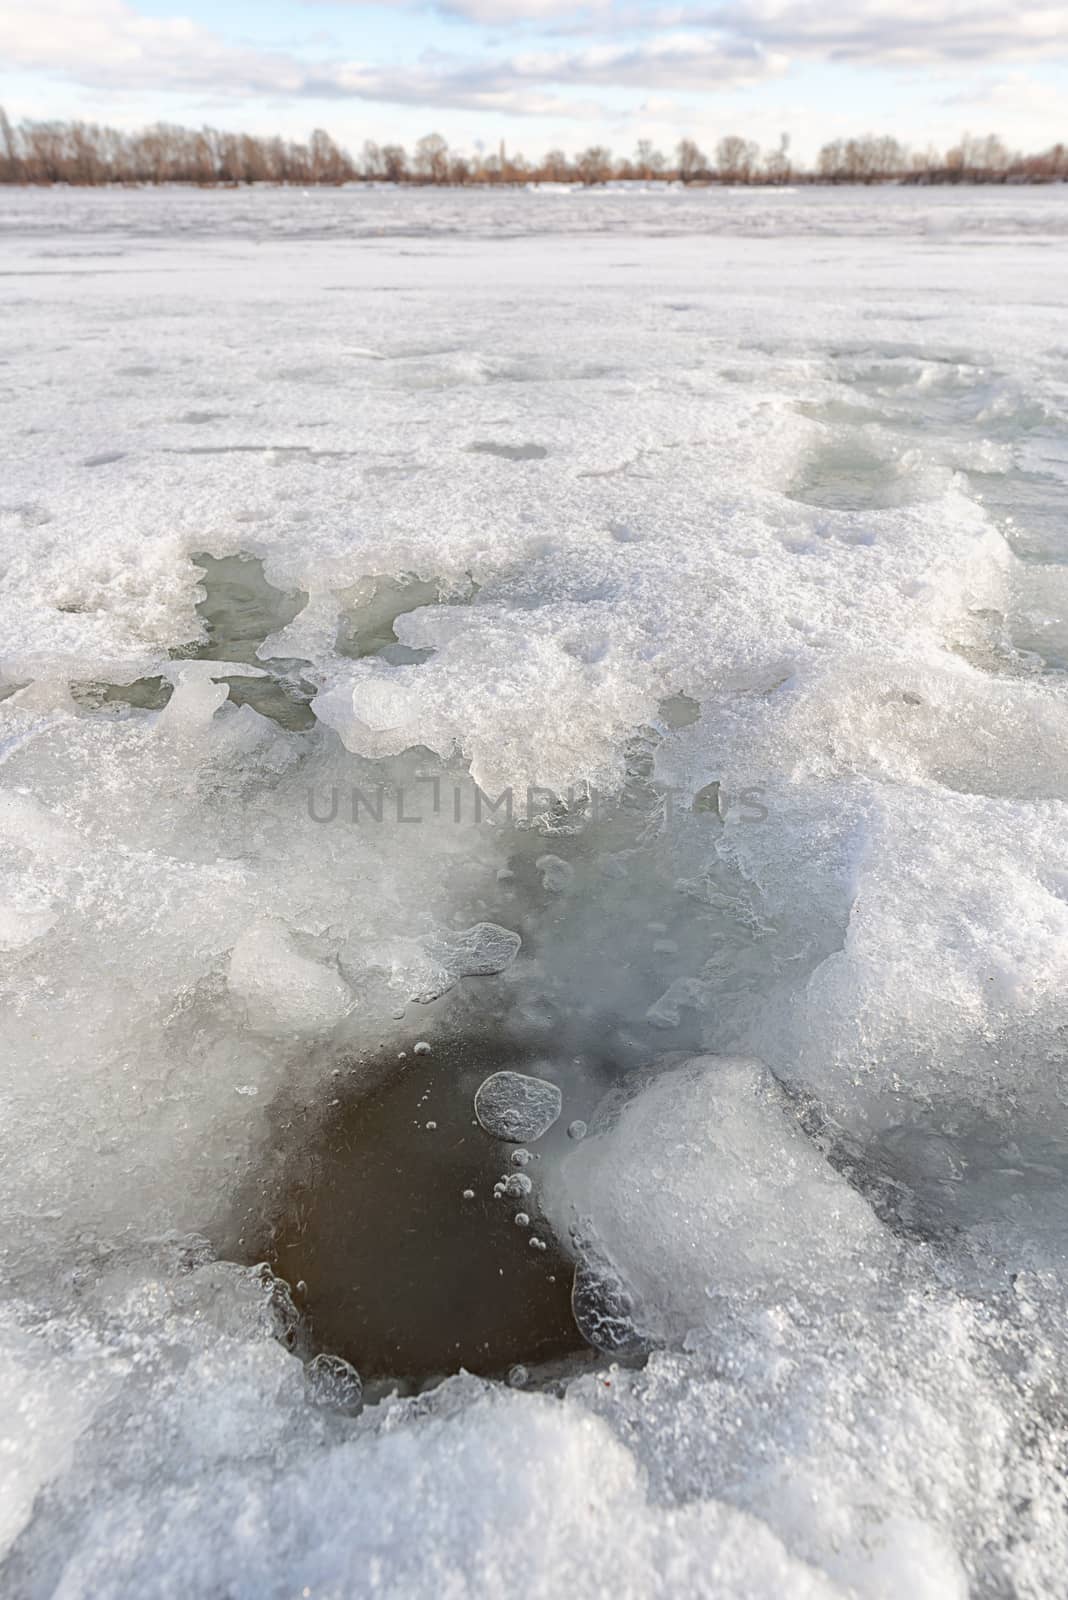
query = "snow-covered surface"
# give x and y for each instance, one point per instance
(762, 490)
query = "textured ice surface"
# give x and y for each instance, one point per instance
(706, 1190)
(517, 1107)
(329, 524)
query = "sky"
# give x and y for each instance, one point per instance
(543, 74)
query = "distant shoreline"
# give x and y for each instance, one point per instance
(87, 155)
(529, 185)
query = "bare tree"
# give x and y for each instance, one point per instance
(328, 163)
(691, 161)
(777, 164)
(594, 165)
(648, 161)
(394, 163)
(11, 167)
(736, 159)
(556, 168)
(84, 153)
(432, 158)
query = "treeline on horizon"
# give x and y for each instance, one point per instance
(87, 154)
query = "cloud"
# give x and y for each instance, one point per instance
(515, 83)
(1016, 94)
(870, 32)
(904, 31)
(108, 45)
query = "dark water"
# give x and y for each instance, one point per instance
(402, 1274)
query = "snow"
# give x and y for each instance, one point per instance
(330, 525)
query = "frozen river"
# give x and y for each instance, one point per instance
(615, 638)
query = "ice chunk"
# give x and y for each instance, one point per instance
(333, 1383)
(684, 994)
(706, 1185)
(513, 1106)
(195, 700)
(477, 952)
(424, 969)
(282, 990)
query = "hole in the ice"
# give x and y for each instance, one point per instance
(372, 607)
(509, 452)
(1031, 640)
(847, 474)
(1029, 510)
(679, 710)
(144, 694)
(240, 610)
(380, 1210)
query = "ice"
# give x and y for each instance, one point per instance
(705, 1187)
(333, 1383)
(477, 952)
(557, 875)
(759, 583)
(279, 988)
(517, 1107)
(424, 969)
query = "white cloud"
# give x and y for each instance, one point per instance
(1017, 94)
(900, 31)
(108, 45)
(884, 32)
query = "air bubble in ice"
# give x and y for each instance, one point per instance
(521, 1158)
(333, 1383)
(522, 1220)
(421, 1048)
(513, 1106)
(476, 952)
(576, 1129)
(557, 875)
(516, 1184)
(424, 969)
